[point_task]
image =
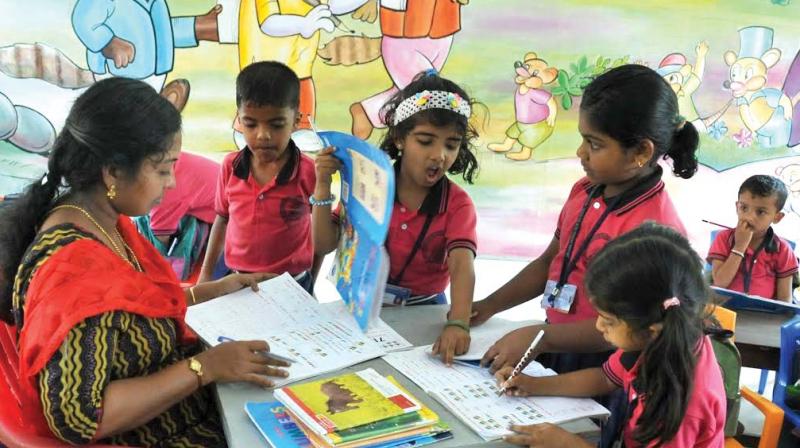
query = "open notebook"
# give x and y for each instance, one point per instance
(470, 393)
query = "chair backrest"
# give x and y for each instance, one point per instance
(786, 375)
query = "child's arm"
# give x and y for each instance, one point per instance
(723, 272)
(455, 340)
(580, 383)
(324, 230)
(526, 285)
(783, 289)
(216, 244)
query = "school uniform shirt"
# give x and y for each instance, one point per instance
(269, 226)
(194, 192)
(703, 423)
(776, 260)
(646, 201)
(453, 225)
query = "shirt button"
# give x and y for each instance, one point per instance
(596, 205)
(261, 197)
(404, 226)
(403, 209)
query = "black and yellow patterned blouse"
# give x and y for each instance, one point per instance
(109, 347)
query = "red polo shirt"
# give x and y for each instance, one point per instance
(703, 423)
(647, 201)
(269, 226)
(195, 188)
(776, 260)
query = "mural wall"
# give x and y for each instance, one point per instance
(734, 64)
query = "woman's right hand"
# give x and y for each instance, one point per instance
(325, 165)
(241, 361)
(509, 349)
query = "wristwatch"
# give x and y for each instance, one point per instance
(197, 368)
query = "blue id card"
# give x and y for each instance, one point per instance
(559, 299)
(395, 295)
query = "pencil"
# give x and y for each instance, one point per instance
(523, 361)
(716, 224)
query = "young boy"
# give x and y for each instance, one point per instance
(751, 258)
(263, 214)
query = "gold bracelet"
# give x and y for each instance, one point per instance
(191, 292)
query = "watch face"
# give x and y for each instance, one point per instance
(196, 366)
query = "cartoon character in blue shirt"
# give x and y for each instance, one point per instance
(137, 38)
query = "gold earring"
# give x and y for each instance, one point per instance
(112, 192)
(640, 163)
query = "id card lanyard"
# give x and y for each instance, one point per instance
(570, 259)
(747, 268)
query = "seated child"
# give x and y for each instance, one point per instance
(650, 295)
(263, 217)
(751, 258)
(179, 224)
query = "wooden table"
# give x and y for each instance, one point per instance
(420, 325)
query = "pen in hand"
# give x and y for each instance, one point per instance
(270, 354)
(523, 361)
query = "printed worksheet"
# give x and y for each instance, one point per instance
(470, 393)
(485, 335)
(317, 338)
(379, 331)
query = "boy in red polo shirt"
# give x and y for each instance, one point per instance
(751, 258)
(263, 216)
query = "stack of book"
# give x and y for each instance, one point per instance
(361, 409)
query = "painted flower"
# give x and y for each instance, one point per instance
(718, 130)
(453, 100)
(743, 138)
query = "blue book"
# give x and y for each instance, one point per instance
(361, 265)
(274, 423)
(736, 300)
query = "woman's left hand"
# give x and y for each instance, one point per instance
(543, 436)
(453, 341)
(234, 282)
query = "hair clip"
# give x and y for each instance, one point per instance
(672, 301)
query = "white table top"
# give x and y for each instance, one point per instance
(420, 325)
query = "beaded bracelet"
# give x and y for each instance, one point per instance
(328, 201)
(457, 323)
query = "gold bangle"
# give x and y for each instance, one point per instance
(191, 292)
(736, 252)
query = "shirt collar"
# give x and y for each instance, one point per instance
(642, 190)
(241, 164)
(435, 201)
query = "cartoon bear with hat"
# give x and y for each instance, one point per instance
(765, 111)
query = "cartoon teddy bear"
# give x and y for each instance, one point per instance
(767, 112)
(534, 107)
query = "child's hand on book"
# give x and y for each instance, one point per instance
(241, 361)
(452, 341)
(509, 349)
(519, 386)
(543, 436)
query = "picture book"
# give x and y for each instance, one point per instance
(361, 264)
(736, 300)
(346, 401)
(275, 424)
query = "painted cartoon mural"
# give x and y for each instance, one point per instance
(736, 72)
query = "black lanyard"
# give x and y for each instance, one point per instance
(570, 260)
(747, 271)
(417, 244)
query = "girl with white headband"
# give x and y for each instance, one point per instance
(432, 239)
(650, 295)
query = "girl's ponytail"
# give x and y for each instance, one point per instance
(682, 150)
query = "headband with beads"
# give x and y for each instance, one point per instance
(431, 99)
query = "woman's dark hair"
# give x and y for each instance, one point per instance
(630, 278)
(116, 123)
(631, 103)
(466, 163)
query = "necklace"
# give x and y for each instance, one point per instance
(116, 248)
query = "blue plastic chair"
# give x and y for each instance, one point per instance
(762, 380)
(790, 350)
